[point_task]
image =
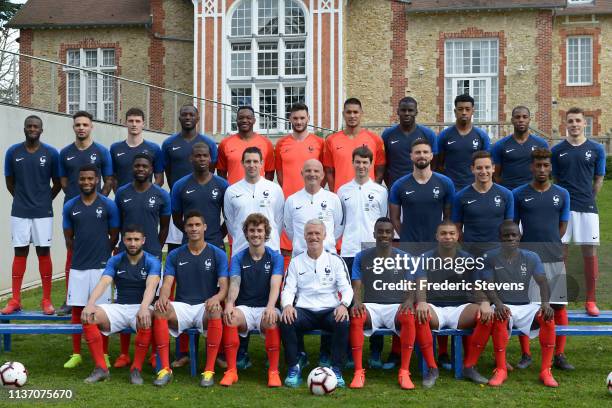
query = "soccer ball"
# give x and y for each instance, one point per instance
(321, 381)
(13, 374)
(609, 383)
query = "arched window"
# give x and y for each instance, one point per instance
(267, 52)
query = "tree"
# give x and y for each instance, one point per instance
(8, 62)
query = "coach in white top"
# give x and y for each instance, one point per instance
(253, 194)
(314, 281)
(363, 202)
(313, 202)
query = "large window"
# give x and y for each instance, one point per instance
(88, 91)
(471, 66)
(267, 42)
(580, 60)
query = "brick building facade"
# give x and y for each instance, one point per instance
(548, 55)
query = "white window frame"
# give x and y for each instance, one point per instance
(83, 77)
(257, 82)
(491, 82)
(577, 2)
(588, 128)
(579, 61)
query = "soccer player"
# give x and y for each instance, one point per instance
(122, 153)
(72, 157)
(420, 200)
(514, 267)
(29, 168)
(91, 229)
(533, 203)
(457, 143)
(177, 152)
(231, 148)
(337, 155)
(436, 309)
(480, 208)
(201, 272)
(136, 275)
(579, 165)
(290, 153)
(255, 279)
(203, 191)
(250, 195)
(380, 306)
(316, 295)
(398, 140)
(512, 154)
(313, 201)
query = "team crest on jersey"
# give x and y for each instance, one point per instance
(152, 202)
(436, 192)
(327, 270)
(497, 201)
(266, 193)
(556, 200)
(523, 269)
(99, 212)
(475, 144)
(42, 160)
(215, 193)
(588, 155)
(208, 264)
(267, 267)
(323, 205)
(143, 273)
(371, 197)
(311, 148)
(93, 157)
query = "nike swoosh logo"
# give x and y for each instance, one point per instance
(471, 201)
(69, 158)
(562, 154)
(508, 151)
(176, 148)
(529, 199)
(301, 273)
(246, 266)
(183, 263)
(450, 143)
(120, 272)
(19, 159)
(120, 154)
(498, 268)
(409, 192)
(232, 151)
(189, 191)
(346, 198)
(238, 195)
(297, 208)
(394, 141)
(127, 199)
(595, 237)
(338, 147)
(76, 213)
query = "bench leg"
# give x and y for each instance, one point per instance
(457, 356)
(7, 342)
(193, 353)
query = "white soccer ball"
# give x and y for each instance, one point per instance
(321, 381)
(13, 374)
(609, 383)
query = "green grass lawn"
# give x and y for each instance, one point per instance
(44, 357)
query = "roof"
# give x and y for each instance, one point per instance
(81, 13)
(595, 7)
(424, 6)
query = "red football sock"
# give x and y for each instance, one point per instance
(230, 345)
(500, 342)
(561, 319)
(286, 260)
(547, 341)
(478, 341)
(68, 265)
(76, 338)
(356, 338)
(442, 344)
(46, 272)
(184, 344)
(143, 338)
(162, 340)
(94, 343)
(105, 344)
(425, 341)
(124, 339)
(273, 342)
(591, 272)
(213, 341)
(19, 268)
(465, 342)
(396, 345)
(524, 340)
(407, 337)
